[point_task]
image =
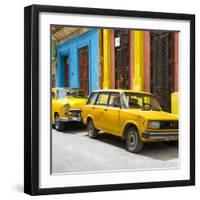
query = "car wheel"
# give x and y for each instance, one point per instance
(92, 131)
(59, 126)
(133, 142)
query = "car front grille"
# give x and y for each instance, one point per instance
(75, 112)
(168, 124)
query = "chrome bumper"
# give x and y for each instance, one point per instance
(70, 119)
(160, 135)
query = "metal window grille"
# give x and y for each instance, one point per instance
(162, 67)
(122, 66)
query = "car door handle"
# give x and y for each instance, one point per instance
(105, 109)
(93, 107)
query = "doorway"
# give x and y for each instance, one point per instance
(84, 69)
(162, 65)
(66, 65)
(122, 61)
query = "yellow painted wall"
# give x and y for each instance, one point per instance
(174, 103)
(106, 58)
(101, 58)
(138, 80)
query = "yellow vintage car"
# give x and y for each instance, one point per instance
(134, 116)
(66, 106)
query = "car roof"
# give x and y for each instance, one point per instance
(121, 90)
(65, 88)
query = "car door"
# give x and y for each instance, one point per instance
(89, 109)
(101, 103)
(111, 114)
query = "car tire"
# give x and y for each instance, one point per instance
(59, 126)
(92, 131)
(133, 142)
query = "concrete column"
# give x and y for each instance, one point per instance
(100, 58)
(94, 61)
(131, 59)
(176, 61)
(138, 82)
(147, 61)
(74, 80)
(112, 58)
(175, 94)
(60, 73)
(106, 58)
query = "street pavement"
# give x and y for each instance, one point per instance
(74, 151)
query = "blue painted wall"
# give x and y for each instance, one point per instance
(71, 49)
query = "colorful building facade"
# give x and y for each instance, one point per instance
(121, 58)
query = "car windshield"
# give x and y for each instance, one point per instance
(64, 92)
(140, 101)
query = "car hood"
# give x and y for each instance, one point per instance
(154, 115)
(74, 102)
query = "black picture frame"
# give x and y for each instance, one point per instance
(31, 98)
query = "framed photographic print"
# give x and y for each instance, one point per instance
(109, 99)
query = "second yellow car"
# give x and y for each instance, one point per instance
(66, 106)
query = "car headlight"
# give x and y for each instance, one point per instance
(66, 107)
(154, 124)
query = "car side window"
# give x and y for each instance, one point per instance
(114, 100)
(92, 99)
(103, 98)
